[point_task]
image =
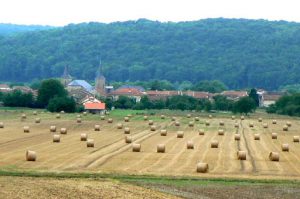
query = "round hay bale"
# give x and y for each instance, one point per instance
(145, 118)
(150, 122)
(233, 117)
(62, 112)
(177, 123)
(260, 119)
(78, 116)
(274, 122)
(190, 145)
(296, 138)
(274, 136)
(207, 123)
(202, 167)
(285, 128)
(57, 116)
(288, 123)
(242, 117)
(1, 125)
(237, 137)
(128, 139)
(129, 115)
(97, 127)
(136, 147)
(78, 120)
(102, 117)
(220, 132)
(210, 116)
(34, 113)
(63, 131)
(256, 136)
(274, 156)
(191, 124)
(56, 138)
(26, 129)
(188, 115)
(126, 119)
(173, 119)
(162, 117)
(90, 143)
(107, 113)
(161, 148)
(30, 155)
(201, 132)
(83, 137)
(221, 123)
(110, 120)
(119, 126)
(285, 147)
(197, 119)
(153, 128)
(37, 120)
(241, 155)
(251, 124)
(265, 125)
(180, 134)
(127, 130)
(23, 116)
(85, 113)
(236, 125)
(214, 144)
(52, 128)
(163, 132)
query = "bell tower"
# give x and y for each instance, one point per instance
(100, 81)
(66, 77)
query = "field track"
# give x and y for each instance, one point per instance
(112, 155)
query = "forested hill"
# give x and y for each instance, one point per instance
(6, 29)
(241, 53)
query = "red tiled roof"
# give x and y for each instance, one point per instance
(126, 91)
(94, 106)
(198, 95)
(235, 94)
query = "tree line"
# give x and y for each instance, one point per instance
(241, 53)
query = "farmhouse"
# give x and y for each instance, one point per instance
(268, 98)
(234, 95)
(93, 105)
(132, 92)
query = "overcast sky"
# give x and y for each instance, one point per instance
(62, 12)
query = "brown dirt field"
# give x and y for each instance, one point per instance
(50, 188)
(112, 155)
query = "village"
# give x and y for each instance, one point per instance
(89, 96)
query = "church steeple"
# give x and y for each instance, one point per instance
(66, 77)
(100, 80)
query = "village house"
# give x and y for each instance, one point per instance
(131, 92)
(93, 105)
(266, 98)
(234, 95)
(5, 88)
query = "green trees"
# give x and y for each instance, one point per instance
(253, 94)
(287, 105)
(210, 86)
(49, 89)
(244, 105)
(18, 99)
(222, 103)
(238, 52)
(57, 104)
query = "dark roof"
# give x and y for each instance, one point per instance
(83, 84)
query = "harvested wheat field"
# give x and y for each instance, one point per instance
(111, 154)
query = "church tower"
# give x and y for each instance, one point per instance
(100, 81)
(66, 77)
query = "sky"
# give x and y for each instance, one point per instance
(63, 12)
